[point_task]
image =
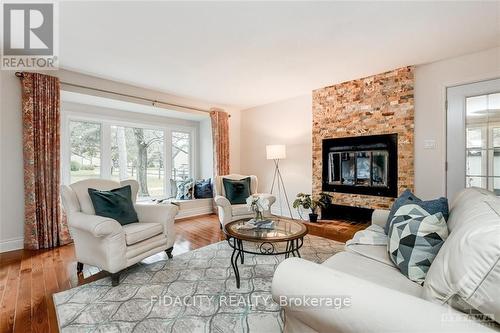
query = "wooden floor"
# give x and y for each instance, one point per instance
(29, 278)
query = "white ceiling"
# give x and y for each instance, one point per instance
(250, 53)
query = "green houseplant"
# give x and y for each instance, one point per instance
(312, 202)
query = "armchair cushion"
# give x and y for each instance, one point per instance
(237, 191)
(137, 232)
(116, 204)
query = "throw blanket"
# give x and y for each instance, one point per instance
(373, 235)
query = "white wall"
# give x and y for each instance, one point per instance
(431, 81)
(11, 153)
(287, 122)
(11, 171)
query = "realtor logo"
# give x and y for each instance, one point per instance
(29, 36)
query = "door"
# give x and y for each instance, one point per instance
(473, 137)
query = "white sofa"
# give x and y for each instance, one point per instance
(227, 212)
(463, 278)
(105, 243)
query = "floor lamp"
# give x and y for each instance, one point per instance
(277, 153)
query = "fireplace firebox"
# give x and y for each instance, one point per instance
(361, 165)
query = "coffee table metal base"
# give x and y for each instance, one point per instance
(265, 248)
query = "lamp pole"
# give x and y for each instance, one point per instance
(278, 179)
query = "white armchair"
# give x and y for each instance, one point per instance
(105, 243)
(228, 212)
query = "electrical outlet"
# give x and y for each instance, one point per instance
(430, 144)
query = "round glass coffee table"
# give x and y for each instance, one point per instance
(286, 237)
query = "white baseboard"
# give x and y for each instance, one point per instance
(195, 211)
(276, 211)
(11, 244)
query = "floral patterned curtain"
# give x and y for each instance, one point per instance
(220, 137)
(44, 226)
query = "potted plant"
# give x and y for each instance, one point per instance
(312, 202)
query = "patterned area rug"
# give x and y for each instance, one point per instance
(193, 292)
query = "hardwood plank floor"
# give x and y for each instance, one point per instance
(29, 278)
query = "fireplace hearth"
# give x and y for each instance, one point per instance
(361, 165)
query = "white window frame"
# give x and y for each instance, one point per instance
(191, 145)
(68, 115)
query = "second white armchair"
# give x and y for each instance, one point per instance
(228, 212)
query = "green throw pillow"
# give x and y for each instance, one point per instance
(237, 191)
(116, 204)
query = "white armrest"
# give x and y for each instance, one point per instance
(222, 201)
(156, 213)
(270, 197)
(98, 226)
(380, 216)
(373, 308)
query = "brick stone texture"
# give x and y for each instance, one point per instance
(379, 104)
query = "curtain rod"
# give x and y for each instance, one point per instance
(153, 101)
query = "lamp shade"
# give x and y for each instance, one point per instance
(276, 152)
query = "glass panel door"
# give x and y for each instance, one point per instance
(472, 132)
(483, 142)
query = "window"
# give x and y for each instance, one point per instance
(181, 155)
(483, 142)
(138, 153)
(115, 150)
(85, 157)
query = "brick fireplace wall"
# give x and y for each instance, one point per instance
(379, 104)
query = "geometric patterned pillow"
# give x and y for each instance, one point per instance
(185, 189)
(415, 237)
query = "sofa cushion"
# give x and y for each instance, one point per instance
(373, 235)
(373, 271)
(371, 243)
(173, 189)
(374, 252)
(137, 232)
(203, 189)
(116, 204)
(81, 191)
(466, 272)
(184, 189)
(462, 204)
(400, 201)
(439, 205)
(415, 238)
(237, 191)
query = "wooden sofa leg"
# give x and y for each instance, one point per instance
(115, 279)
(169, 252)
(79, 267)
